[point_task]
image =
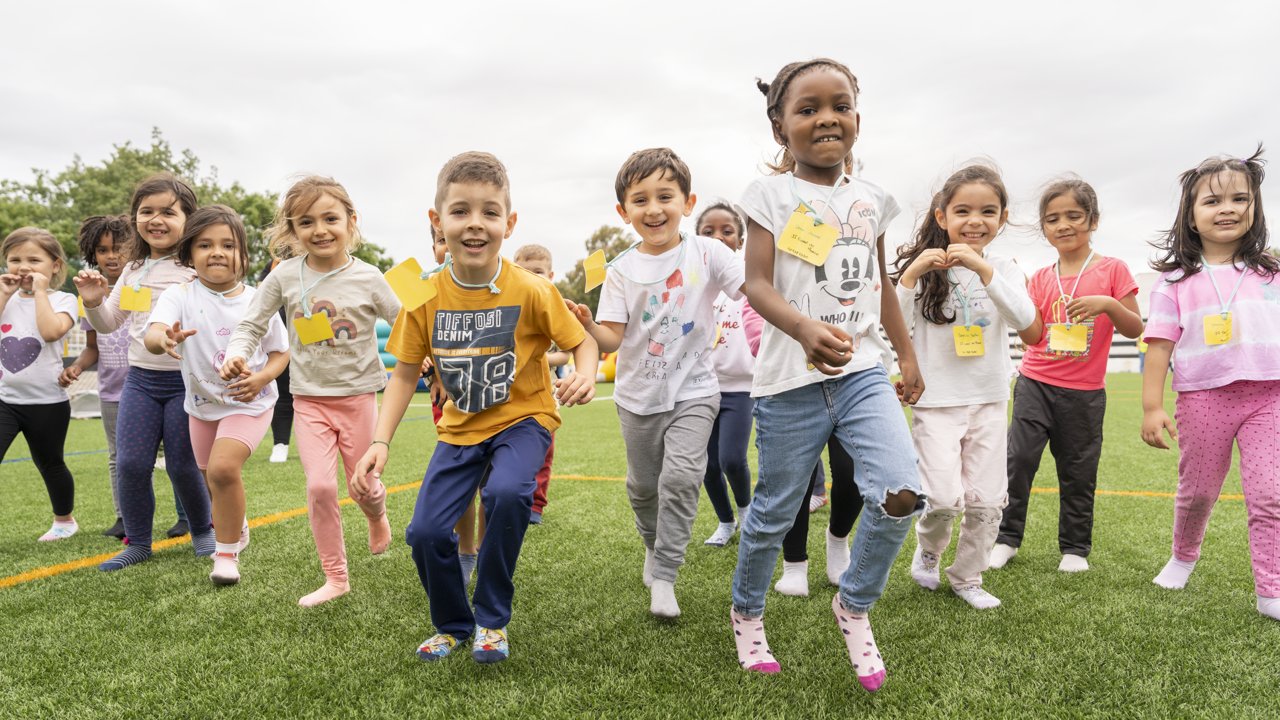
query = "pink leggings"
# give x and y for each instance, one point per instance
(325, 427)
(1248, 413)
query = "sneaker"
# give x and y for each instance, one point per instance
(60, 531)
(116, 531)
(924, 570)
(437, 647)
(279, 453)
(722, 535)
(178, 530)
(244, 536)
(977, 597)
(816, 502)
(490, 646)
(226, 569)
(1001, 554)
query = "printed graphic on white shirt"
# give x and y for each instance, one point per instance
(475, 352)
(849, 271)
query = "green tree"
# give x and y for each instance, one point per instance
(613, 240)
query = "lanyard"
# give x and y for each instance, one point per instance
(306, 289)
(1226, 306)
(809, 208)
(679, 263)
(1062, 293)
(146, 268)
(962, 295)
(492, 284)
(220, 293)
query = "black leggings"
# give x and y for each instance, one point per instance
(282, 420)
(45, 428)
(846, 504)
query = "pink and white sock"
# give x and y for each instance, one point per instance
(753, 649)
(863, 653)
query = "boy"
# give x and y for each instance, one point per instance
(487, 331)
(656, 310)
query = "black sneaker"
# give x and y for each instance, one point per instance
(116, 531)
(179, 529)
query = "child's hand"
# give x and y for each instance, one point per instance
(580, 311)
(1084, 309)
(926, 262)
(36, 282)
(69, 374)
(234, 367)
(369, 468)
(966, 256)
(438, 396)
(1153, 421)
(247, 389)
(575, 389)
(10, 283)
(826, 346)
(92, 286)
(911, 386)
(173, 337)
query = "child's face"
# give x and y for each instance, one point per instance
(1223, 210)
(973, 217)
(28, 260)
(654, 206)
(215, 254)
(160, 222)
(474, 220)
(1066, 224)
(721, 225)
(107, 257)
(819, 122)
(324, 229)
(439, 248)
(538, 266)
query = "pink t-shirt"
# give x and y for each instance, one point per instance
(1076, 371)
(1178, 310)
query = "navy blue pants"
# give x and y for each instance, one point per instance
(151, 408)
(514, 457)
(727, 454)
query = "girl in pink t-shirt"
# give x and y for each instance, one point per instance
(1059, 397)
(1215, 308)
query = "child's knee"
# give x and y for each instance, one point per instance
(901, 504)
(222, 474)
(427, 535)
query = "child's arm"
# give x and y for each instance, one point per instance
(163, 339)
(51, 324)
(246, 389)
(87, 358)
(101, 301)
(579, 386)
(911, 386)
(1124, 313)
(826, 346)
(556, 358)
(607, 335)
(395, 400)
(248, 334)
(1154, 417)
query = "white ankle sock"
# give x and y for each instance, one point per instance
(794, 580)
(227, 548)
(1175, 574)
(647, 575)
(1073, 563)
(1001, 554)
(662, 599)
(837, 557)
(1269, 607)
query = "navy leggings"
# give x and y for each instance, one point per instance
(45, 428)
(727, 454)
(151, 408)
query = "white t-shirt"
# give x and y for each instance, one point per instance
(213, 318)
(844, 291)
(731, 355)
(951, 380)
(666, 302)
(29, 366)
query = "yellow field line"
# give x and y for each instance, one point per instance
(51, 570)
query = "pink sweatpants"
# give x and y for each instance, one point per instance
(1248, 413)
(325, 427)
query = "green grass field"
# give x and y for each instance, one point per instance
(159, 640)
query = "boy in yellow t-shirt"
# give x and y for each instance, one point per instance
(487, 331)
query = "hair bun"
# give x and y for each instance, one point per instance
(763, 87)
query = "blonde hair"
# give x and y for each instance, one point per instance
(282, 238)
(44, 240)
(532, 252)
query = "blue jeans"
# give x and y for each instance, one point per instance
(791, 429)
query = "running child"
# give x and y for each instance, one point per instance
(487, 331)
(1059, 397)
(334, 300)
(961, 300)
(1214, 312)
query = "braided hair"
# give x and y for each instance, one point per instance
(775, 94)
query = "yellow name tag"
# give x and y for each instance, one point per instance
(406, 282)
(806, 238)
(314, 329)
(1068, 338)
(594, 266)
(1217, 329)
(135, 300)
(968, 340)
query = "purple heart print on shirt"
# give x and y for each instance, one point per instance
(17, 353)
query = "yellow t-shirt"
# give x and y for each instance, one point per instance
(489, 350)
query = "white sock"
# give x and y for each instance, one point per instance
(1175, 574)
(977, 598)
(837, 557)
(227, 548)
(722, 535)
(1001, 554)
(1073, 564)
(647, 575)
(662, 599)
(924, 569)
(794, 580)
(1269, 607)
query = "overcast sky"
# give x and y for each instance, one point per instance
(379, 95)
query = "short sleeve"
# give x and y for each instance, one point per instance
(277, 338)
(560, 325)
(408, 341)
(1164, 322)
(613, 299)
(888, 212)
(1122, 283)
(65, 303)
(755, 205)
(727, 269)
(168, 309)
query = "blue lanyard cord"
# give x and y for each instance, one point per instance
(448, 260)
(306, 289)
(679, 263)
(146, 269)
(220, 293)
(1062, 293)
(962, 295)
(1226, 306)
(840, 181)
(492, 284)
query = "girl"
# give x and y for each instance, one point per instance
(227, 421)
(282, 414)
(962, 300)
(33, 320)
(152, 398)
(102, 239)
(334, 300)
(733, 363)
(815, 265)
(1059, 396)
(1214, 310)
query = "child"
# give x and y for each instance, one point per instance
(334, 300)
(227, 420)
(962, 300)
(733, 363)
(152, 398)
(846, 505)
(282, 415)
(1214, 310)
(656, 311)
(1059, 397)
(820, 370)
(102, 239)
(34, 318)
(487, 330)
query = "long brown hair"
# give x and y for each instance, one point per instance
(157, 184)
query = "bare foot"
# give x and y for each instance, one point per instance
(327, 592)
(379, 535)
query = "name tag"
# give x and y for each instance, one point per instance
(135, 300)
(968, 340)
(806, 238)
(1217, 329)
(1072, 338)
(314, 329)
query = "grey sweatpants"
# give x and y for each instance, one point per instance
(666, 460)
(109, 412)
